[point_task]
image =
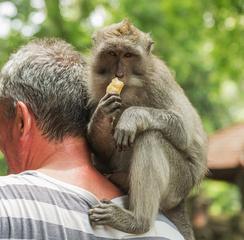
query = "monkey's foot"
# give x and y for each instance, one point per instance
(104, 213)
(108, 213)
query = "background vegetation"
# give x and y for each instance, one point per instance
(199, 40)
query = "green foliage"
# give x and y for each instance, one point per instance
(3, 168)
(225, 197)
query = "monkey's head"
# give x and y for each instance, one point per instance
(120, 50)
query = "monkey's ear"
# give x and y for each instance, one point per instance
(148, 42)
(149, 47)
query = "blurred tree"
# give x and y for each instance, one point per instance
(3, 168)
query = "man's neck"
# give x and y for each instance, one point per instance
(69, 161)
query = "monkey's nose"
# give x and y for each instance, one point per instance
(119, 74)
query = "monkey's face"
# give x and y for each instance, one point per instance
(121, 60)
(121, 50)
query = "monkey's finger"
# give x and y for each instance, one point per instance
(98, 211)
(125, 142)
(105, 204)
(105, 105)
(97, 214)
(112, 99)
(116, 112)
(115, 135)
(102, 222)
(106, 96)
(106, 201)
(102, 205)
(132, 139)
(97, 217)
(112, 107)
(119, 139)
(121, 146)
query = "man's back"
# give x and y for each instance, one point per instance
(35, 206)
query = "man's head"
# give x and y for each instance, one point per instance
(44, 82)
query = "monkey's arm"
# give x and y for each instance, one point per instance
(138, 119)
(97, 135)
(100, 126)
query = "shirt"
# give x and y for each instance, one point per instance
(36, 206)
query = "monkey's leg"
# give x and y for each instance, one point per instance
(149, 177)
(181, 181)
(158, 166)
(160, 177)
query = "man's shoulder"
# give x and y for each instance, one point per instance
(32, 187)
(20, 178)
(31, 202)
(40, 200)
(26, 180)
(39, 185)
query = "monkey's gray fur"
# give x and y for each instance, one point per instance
(156, 139)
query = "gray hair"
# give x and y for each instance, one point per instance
(50, 78)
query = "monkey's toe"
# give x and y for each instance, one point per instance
(102, 222)
(98, 217)
(101, 214)
(106, 201)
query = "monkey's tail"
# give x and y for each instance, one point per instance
(180, 217)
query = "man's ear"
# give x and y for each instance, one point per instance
(22, 123)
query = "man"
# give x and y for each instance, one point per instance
(43, 118)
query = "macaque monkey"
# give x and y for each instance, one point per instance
(150, 132)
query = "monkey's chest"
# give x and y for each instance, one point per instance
(120, 161)
(134, 96)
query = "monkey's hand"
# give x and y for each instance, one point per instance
(100, 126)
(126, 129)
(109, 105)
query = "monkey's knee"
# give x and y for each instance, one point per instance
(149, 138)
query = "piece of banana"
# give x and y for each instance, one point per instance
(115, 86)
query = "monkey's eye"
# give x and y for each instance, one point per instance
(112, 53)
(128, 55)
